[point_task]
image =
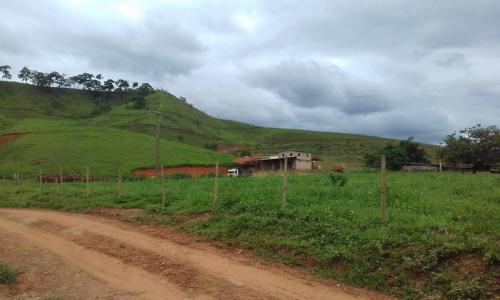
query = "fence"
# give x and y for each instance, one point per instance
(117, 183)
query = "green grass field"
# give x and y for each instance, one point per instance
(74, 127)
(441, 238)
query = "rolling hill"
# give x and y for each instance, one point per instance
(72, 128)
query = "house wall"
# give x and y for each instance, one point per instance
(303, 164)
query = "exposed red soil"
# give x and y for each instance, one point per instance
(192, 171)
(10, 137)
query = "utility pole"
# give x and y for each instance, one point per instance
(156, 111)
(284, 191)
(157, 148)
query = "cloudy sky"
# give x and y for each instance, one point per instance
(391, 68)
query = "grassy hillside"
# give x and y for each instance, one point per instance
(104, 149)
(74, 127)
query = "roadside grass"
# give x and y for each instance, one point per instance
(7, 275)
(441, 237)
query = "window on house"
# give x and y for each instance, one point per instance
(291, 154)
(299, 154)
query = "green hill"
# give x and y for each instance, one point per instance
(72, 128)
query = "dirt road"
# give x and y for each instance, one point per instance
(118, 261)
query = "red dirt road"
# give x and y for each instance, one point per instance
(116, 260)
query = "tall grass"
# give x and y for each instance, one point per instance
(7, 275)
(434, 222)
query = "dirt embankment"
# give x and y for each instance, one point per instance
(191, 171)
(90, 257)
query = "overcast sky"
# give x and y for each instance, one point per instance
(388, 68)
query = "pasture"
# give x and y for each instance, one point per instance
(441, 237)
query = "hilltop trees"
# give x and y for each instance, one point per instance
(5, 72)
(25, 74)
(108, 85)
(397, 156)
(86, 81)
(122, 85)
(476, 145)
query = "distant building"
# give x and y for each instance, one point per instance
(296, 160)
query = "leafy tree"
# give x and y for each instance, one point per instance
(25, 74)
(397, 156)
(138, 102)
(108, 85)
(135, 85)
(477, 145)
(122, 85)
(414, 152)
(53, 77)
(145, 89)
(86, 80)
(5, 72)
(40, 79)
(73, 80)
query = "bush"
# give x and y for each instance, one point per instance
(338, 179)
(138, 102)
(7, 275)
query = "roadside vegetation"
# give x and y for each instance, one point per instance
(7, 275)
(441, 237)
(398, 155)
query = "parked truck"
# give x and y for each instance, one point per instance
(239, 172)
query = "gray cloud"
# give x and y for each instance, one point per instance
(311, 84)
(156, 47)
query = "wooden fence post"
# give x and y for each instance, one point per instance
(61, 180)
(60, 175)
(216, 184)
(87, 180)
(383, 188)
(285, 185)
(163, 192)
(440, 166)
(40, 180)
(119, 183)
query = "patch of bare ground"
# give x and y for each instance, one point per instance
(43, 274)
(185, 276)
(468, 264)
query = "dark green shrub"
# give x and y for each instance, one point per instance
(338, 179)
(7, 275)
